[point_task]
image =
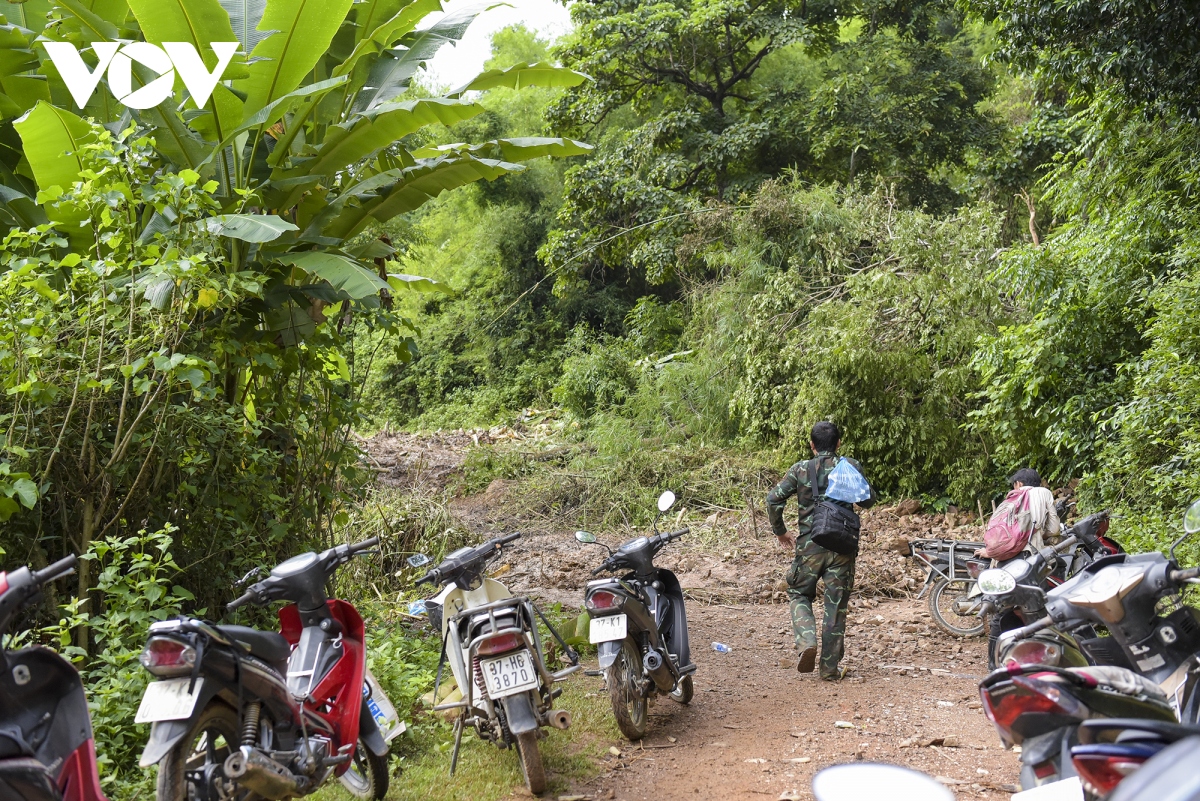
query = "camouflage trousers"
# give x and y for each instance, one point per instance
(813, 563)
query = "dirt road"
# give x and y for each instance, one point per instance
(758, 729)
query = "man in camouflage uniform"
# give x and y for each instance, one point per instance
(812, 562)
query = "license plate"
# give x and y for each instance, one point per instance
(1065, 790)
(607, 628)
(509, 675)
(382, 710)
(168, 700)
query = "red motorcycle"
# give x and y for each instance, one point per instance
(240, 713)
(46, 747)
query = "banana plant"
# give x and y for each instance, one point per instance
(305, 135)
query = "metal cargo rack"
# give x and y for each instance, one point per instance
(941, 558)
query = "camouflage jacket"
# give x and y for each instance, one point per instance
(795, 482)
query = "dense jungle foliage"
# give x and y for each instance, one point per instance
(962, 233)
(965, 231)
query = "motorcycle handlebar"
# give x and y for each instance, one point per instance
(365, 545)
(245, 598)
(427, 578)
(1180, 576)
(63, 567)
(674, 535)
(507, 538)
(1067, 543)
(1032, 628)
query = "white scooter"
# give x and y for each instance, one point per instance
(490, 638)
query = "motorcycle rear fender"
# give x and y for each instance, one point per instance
(608, 652)
(638, 616)
(166, 733)
(368, 731)
(679, 644)
(1053, 745)
(519, 711)
(26, 779)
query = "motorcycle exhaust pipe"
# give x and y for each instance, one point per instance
(560, 719)
(656, 668)
(260, 774)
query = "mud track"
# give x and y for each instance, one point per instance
(757, 729)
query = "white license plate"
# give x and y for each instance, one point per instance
(1065, 790)
(509, 675)
(607, 628)
(168, 700)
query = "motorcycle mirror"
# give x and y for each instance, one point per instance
(418, 560)
(666, 501)
(996, 582)
(585, 537)
(858, 781)
(1191, 518)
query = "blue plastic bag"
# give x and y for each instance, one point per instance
(847, 484)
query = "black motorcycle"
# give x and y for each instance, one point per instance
(238, 712)
(639, 624)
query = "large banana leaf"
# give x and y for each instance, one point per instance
(250, 227)
(245, 16)
(89, 20)
(198, 22)
(520, 148)
(18, 209)
(306, 27)
(393, 70)
(363, 136)
(520, 76)
(52, 138)
(342, 273)
(30, 15)
(378, 33)
(393, 192)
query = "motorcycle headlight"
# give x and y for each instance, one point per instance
(996, 582)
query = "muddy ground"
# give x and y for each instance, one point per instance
(757, 728)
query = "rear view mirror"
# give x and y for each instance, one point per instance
(857, 782)
(666, 501)
(585, 537)
(418, 560)
(996, 582)
(1191, 518)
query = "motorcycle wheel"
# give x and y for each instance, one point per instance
(629, 705)
(531, 762)
(368, 774)
(683, 692)
(211, 740)
(942, 597)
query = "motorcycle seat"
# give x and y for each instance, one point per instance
(1123, 681)
(269, 646)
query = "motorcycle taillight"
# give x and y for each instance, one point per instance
(602, 599)
(1030, 697)
(975, 568)
(1102, 766)
(1034, 652)
(500, 643)
(164, 656)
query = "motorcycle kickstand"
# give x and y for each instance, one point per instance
(458, 733)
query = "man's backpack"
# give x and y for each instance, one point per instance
(1011, 526)
(834, 527)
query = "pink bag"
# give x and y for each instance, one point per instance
(1011, 526)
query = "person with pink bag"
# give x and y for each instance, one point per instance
(1025, 519)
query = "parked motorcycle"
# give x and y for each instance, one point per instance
(46, 748)
(239, 713)
(1110, 750)
(639, 623)
(1136, 598)
(491, 640)
(951, 569)
(1014, 594)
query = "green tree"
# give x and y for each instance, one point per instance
(696, 101)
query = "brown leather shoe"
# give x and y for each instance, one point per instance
(808, 659)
